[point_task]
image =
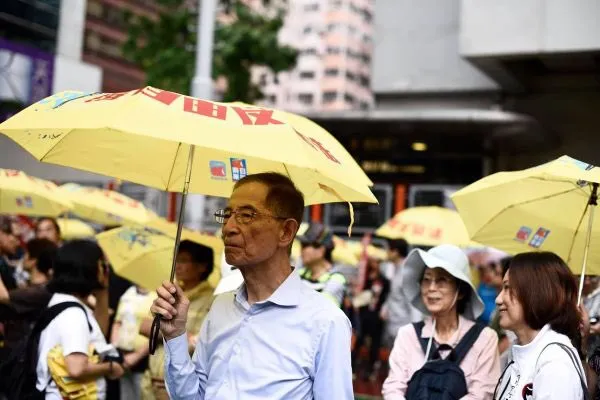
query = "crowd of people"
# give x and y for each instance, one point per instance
(423, 320)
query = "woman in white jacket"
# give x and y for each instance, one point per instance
(538, 302)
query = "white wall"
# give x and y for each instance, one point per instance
(516, 27)
(416, 49)
(72, 74)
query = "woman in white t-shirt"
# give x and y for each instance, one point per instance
(79, 270)
(538, 302)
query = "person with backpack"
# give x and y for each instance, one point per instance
(67, 345)
(447, 355)
(538, 302)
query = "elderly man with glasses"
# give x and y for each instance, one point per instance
(273, 338)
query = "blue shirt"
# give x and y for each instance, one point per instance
(294, 345)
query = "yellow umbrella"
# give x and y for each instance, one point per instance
(179, 143)
(74, 229)
(153, 137)
(22, 194)
(106, 207)
(548, 207)
(144, 255)
(427, 226)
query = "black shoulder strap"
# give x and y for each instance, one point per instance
(573, 357)
(419, 330)
(463, 347)
(52, 312)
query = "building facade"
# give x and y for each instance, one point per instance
(335, 43)
(464, 88)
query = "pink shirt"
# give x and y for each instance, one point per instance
(481, 365)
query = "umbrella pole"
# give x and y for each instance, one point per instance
(593, 202)
(154, 330)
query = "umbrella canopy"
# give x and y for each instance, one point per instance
(106, 207)
(22, 194)
(74, 229)
(427, 226)
(144, 255)
(542, 208)
(146, 136)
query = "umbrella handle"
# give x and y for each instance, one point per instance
(155, 329)
(593, 202)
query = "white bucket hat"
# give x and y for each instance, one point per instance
(448, 257)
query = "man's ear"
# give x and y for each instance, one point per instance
(288, 231)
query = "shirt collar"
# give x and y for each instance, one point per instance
(288, 294)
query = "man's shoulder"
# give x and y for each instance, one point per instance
(320, 307)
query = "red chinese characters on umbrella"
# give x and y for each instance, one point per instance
(248, 115)
(415, 229)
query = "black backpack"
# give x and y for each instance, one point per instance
(442, 379)
(18, 375)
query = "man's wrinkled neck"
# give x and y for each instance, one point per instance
(263, 279)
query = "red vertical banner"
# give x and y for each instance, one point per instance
(362, 264)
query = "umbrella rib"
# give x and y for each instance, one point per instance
(523, 203)
(173, 166)
(587, 206)
(56, 144)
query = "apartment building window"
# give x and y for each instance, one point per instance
(307, 75)
(349, 98)
(306, 98)
(333, 50)
(365, 81)
(334, 27)
(272, 99)
(365, 58)
(364, 105)
(332, 72)
(350, 76)
(329, 97)
(336, 3)
(309, 52)
(307, 30)
(311, 7)
(366, 38)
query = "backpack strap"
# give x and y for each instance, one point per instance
(465, 344)
(52, 312)
(573, 358)
(423, 341)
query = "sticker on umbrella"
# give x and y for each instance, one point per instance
(238, 169)
(523, 234)
(539, 238)
(25, 201)
(218, 170)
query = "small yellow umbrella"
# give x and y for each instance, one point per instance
(106, 207)
(74, 229)
(427, 226)
(22, 194)
(548, 207)
(144, 255)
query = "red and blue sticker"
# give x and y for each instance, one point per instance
(523, 234)
(539, 238)
(239, 169)
(25, 201)
(218, 170)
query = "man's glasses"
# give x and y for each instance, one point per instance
(242, 217)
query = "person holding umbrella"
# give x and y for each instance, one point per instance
(274, 337)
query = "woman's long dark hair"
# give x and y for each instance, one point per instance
(547, 291)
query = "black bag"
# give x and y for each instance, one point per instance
(18, 375)
(442, 379)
